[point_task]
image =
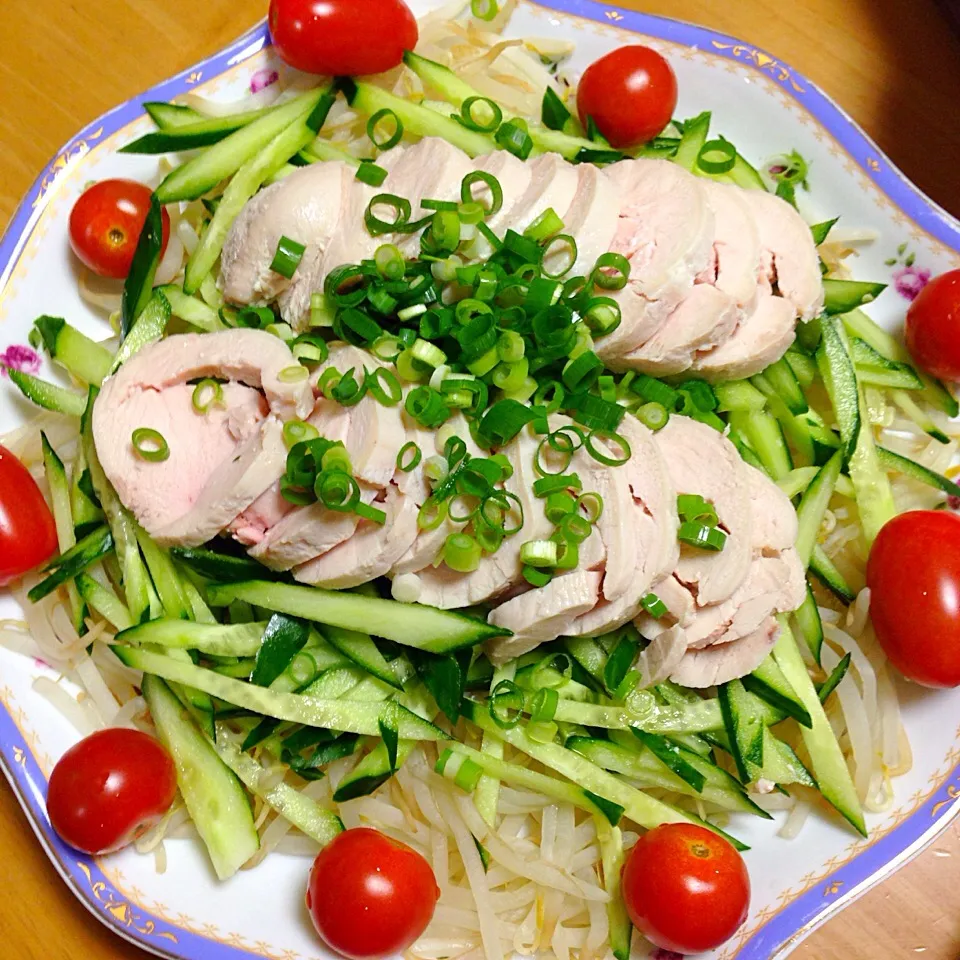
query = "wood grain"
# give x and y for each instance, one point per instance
(891, 64)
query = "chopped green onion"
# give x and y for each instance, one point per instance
(446, 230)
(559, 505)
(254, 317)
(293, 374)
(591, 504)
(408, 457)
(691, 506)
(484, 9)
(369, 173)
(602, 315)
(544, 705)
(431, 514)
(582, 372)
(608, 388)
(336, 457)
(492, 184)
(556, 246)
(337, 490)
(506, 704)
(287, 258)
(553, 113)
(387, 347)
(514, 138)
(206, 394)
(607, 281)
(394, 138)
(701, 395)
(462, 553)
(384, 386)
(539, 553)
(426, 406)
(409, 313)
(701, 535)
(296, 431)
(376, 225)
(471, 122)
(511, 376)
(545, 486)
(536, 577)
(545, 226)
(575, 528)
(717, 156)
(653, 415)
(348, 391)
(428, 353)
(471, 213)
(367, 512)
(510, 346)
(504, 420)
(150, 444)
(390, 262)
(341, 286)
(356, 327)
(608, 460)
(309, 348)
(654, 606)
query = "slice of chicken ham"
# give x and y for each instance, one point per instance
(220, 461)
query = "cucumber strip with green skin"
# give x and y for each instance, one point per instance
(613, 857)
(820, 231)
(768, 683)
(829, 766)
(625, 756)
(842, 296)
(744, 726)
(910, 409)
(426, 628)
(671, 756)
(203, 718)
(875, 369)
(833, 681)
(840, 379)
(150, 325)
(190, 309)
(169, 116)
(799, 479)
(898, 463)
(487, 794)
(164, 575)
(322, 149)
(63, 519)
(93, 547)
(222, 567)
(201, 174)
(136, 580)
(238, 669)
(813, 505)
(371, 772)
(695, 133)
(688, 718)
(199, 610)
(353, 717)
(744, 175)
(308, 816)
(247, 181)
(439, 78)
(804, 367)
(738, 395)
(220, 640)
(103, 601)
(638, 807)
(82, 357)
(779, 380)
(745, 450)
(780, 764)
(218, 806)
(588, 653)
(765, 436)
(361, 649)
(807, 619)
(873, 491)
(421, 121)
(282, 639)
(824, 569)
(83, 506)
(202, 132)
(138, 284)
(48, 396)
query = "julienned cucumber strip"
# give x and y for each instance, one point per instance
(426, 628)
(874, 493)
(829, 766)
(890, 460)
(769, 683)
(361, 649)
(94, 546)
(168, 116)
(371, 772)
(83, 358)
(355, 716)
(164, 575)
(220, 640)
(487, 793)
(685, 718)
(823, 568)
(840, 379)
(192, 310)
(613, 858)
(248, 179)
(217, 803)
(842, 296)
(105, 602)
(814, 504)
(199, 132)
(223, 567)
(695, 133)
(638, 807)
(48, 395)
(146, 258)
(807, 617)
(418, 120)
(905, 401)
(149, 327)
(201, 174)
(305, 814)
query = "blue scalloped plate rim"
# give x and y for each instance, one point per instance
(785, 928)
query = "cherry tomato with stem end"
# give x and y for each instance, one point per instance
(109, 788)
(369, 895)
(933, 327)
(686, 889)
(342, 37)
(28, 534)
(914, 578)
(630, 94)
(105, 225)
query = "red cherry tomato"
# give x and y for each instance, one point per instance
(105, 225)
(630, 93)
(342, 37)
(686, 889)
(109, 788)
(28, 535)
(914, 578)
(933, 327)
(369, 895)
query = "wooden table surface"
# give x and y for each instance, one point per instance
(894, 65)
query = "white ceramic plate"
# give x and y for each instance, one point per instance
(766, 108)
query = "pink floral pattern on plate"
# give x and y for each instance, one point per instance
(18, 357)
(908, 278)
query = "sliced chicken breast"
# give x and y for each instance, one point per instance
(736, 243)
(726, 661)
(515, 177)
(553, 186)
(591, 219)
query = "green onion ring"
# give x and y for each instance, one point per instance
(150, 444)
(506, 704)
(409, 457)
(599, 455)
(203, 401)
(491, 182)
(472, 123)
(392, 140)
